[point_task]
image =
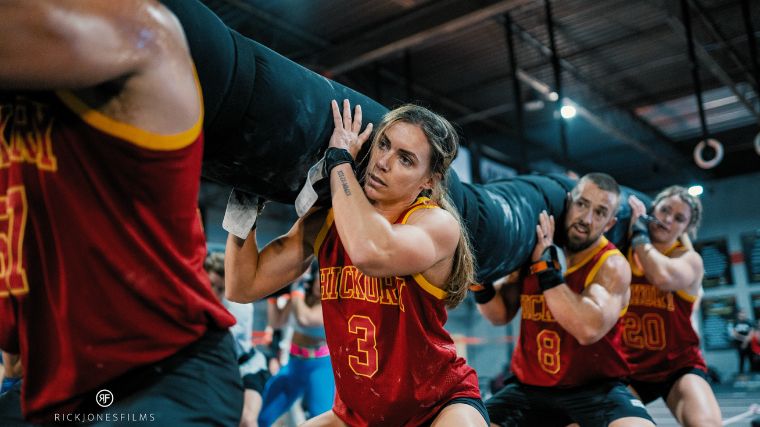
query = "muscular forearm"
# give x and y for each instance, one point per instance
(583, 317)
(240, 262)
(495, 311)
(501, 309)
(667, 274)
(246, 278)
(251, 274)
(364, 233)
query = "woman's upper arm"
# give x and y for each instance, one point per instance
(288, 256)
(428, 237)
(281, 261)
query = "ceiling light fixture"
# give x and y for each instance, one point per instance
(696, 190)
(568, 111)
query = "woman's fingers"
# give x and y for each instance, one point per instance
(346, 115)
(337, 119)
(545, 223)
(356, 126)
(637, 206)
(365, 135)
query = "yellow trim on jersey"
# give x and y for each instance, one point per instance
(675, 246)
(598, 265)
(599, 247)
(636, 268)
(592, 274)
(687, 296)
(623, 311)
(323, 232)
(595, 269)
(422, 203)
(429, 287)
(130, 133)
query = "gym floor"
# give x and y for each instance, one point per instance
(734, 399)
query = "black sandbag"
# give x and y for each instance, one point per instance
(215, 56)
(619, 233)
(501, 218)
(268, 120)
(286, 128)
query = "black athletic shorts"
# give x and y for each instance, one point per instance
(649, 392)
(597, 404)
(475, 403)
(256, 381)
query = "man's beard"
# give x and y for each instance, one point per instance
(577, 246)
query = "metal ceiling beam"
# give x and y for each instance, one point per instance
(557, 72)
(279, 23)
(715, 68)
(661, 62)
(751, 44)
(609, 123)
(705, 58)
(612, 123)
(652, 31)
(620, 124)
(516, 91)
(686, 18)
(722, 40)
(495, 125)
(468, 114)
(423, 25)
(566, 65)
(402, 81)
(477, 116)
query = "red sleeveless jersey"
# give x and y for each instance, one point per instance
(754, 344)
(394, 363)
(548, 356)
(658, 337)
(101, 255)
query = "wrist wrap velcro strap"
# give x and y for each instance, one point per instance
(549, 278)
(640, 232)
(483, 292)
(337, 156)
(241, 213)
(550, 268)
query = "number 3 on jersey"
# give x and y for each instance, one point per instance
(13, 211)
(363, 361)
(548, 351)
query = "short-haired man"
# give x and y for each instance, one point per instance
(568, 362)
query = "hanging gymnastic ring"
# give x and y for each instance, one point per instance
(699, 156)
